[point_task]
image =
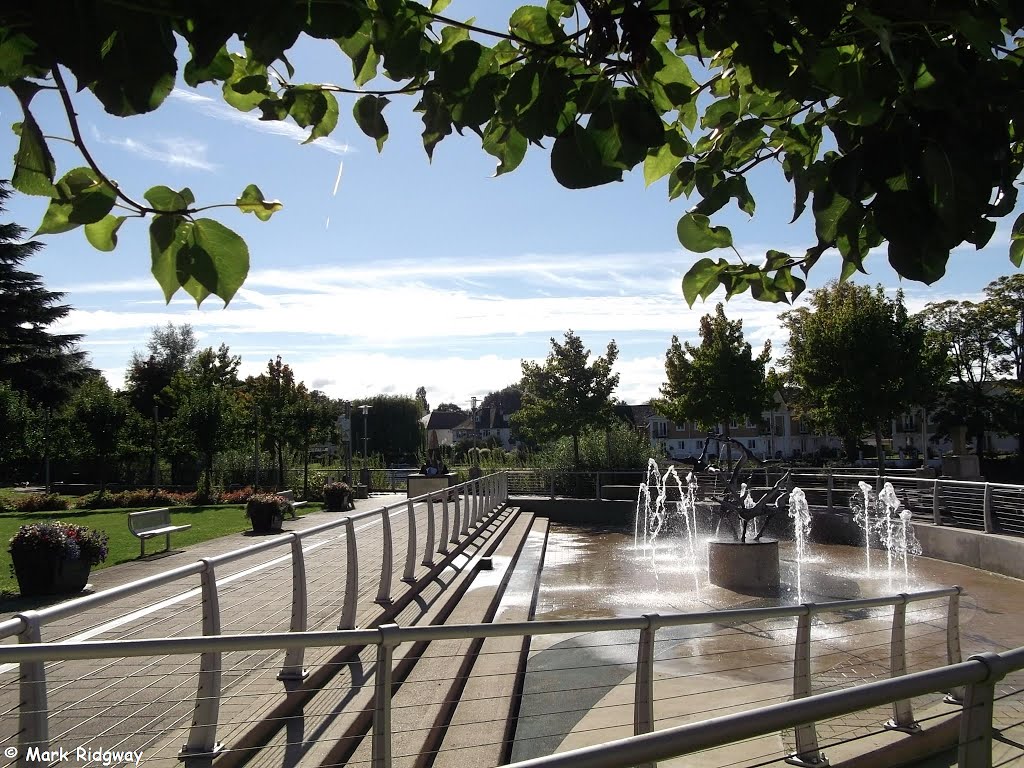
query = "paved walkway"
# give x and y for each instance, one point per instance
(146, 703)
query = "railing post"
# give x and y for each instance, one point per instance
(902, 711)
(990, 526)
(387, 562)
(936, 514)
(202, 745)
(807, 753)
(410, 552)
(643, 689)
(381, 747)
(465, 512)
(442, 544)
(475, 485)
(976, 718)
(428, 548)
(292, 668)
(954, 695)
(33, 715)
(829, 490)
(348, 611)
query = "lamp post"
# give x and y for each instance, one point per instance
(474, 471)
(365, 471)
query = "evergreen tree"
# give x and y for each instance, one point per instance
(46, 366)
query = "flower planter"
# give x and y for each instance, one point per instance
(41, 573)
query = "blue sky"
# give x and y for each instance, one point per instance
(406, 273)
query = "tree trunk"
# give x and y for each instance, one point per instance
(103, 474)
(850, 446)
(576, 452)
(207, 481)
(878, 449)
(280, 463)
(305, 471)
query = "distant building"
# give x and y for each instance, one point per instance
(490, 422)
(443, 423)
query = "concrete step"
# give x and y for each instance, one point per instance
(480, 730)
(424, 700)
(337, 714)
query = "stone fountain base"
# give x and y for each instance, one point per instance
(751, 567)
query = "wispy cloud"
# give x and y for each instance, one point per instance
(221, 111)
(177, 152)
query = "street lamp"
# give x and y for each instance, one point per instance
(365, 409)
(364, 473)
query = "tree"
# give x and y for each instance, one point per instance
(421, 398)
(1005, 297)
(274, 396)
(392, 426)
(313, 415)
(508, 399)
(206, 412)
(567, 394)
(895, 123)
(171, 350)
(448, 408)
(858, 360)
(718, 381)
(44, 365)
(968, 334)
(98, 416)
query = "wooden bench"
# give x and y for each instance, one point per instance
(153, 522)
(289, 496)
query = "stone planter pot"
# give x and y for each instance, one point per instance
(41, 574)
(265, 520)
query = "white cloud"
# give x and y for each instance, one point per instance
(221, 111)
(177, 151)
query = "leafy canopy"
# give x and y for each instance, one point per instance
(858, 360)
(893, 122)
(568, 393)
(718, 381)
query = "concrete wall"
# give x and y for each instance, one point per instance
(579, 510)
(988, 551)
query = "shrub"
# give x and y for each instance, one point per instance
(76, 542)
(241, 496)
(336, 496)
(39, 502)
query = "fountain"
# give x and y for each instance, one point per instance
(750, 565)
(880, 515)
(800, 511)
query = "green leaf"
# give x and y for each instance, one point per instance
(314, 107)
(34, 167)
(577, 162)
(167, 200)
(82, 198)
(701, 279)
(535, 25)
(248, 84)
(220, 261)
(696, 234)
(505, 143)
(777, 260)
(368, 112)
(439, 5)
(203, 257)
(167, 236)
(102, 234)
(437, 120)
(1017, 241)
(829, 207)
(253, 201)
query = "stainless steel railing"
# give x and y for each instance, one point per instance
(202, 740)
(464, 507)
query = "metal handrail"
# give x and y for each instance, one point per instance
(979, 674)
(202, 739)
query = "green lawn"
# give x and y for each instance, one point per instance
(207, 523)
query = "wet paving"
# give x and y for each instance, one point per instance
(579, 689)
